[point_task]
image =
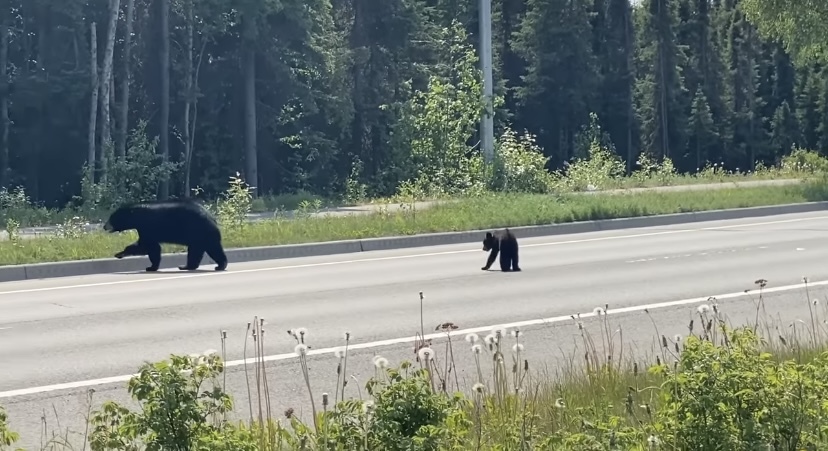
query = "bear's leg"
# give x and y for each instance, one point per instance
(491, 259)
(154, 253)
(505, 259)
(194, 255)
(217, 254)
(515, 266)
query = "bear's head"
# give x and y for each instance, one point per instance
(131, 250)
(120, 220)
(489, 242)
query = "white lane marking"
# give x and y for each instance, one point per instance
(400, 257)
(403, 340)
(698, 254)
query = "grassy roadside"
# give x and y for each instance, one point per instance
(718, 387)
(598, 172)
(487, 211)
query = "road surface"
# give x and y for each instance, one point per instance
(60, 337)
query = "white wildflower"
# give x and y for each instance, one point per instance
(301, 349)
(478, 387)
(598, 311)
(702, 309)
(518, 347)
(477, 349)
(472, 338)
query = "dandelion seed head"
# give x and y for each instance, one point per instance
(301, 331)
(477, 349)
(490, 339)
(560, 404)
(500, 331)
(478, 387)
(516, 333)
(301, 349)
(340, 352)
(380, 361)
(704, 308)
(368, 406)
(472, 338)
(426, 354)
(518, 347)
(677, 338)
(598, 311)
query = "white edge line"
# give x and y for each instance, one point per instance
(399, 257)
(394, 341)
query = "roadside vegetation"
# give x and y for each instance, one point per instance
(757, 386)
(526, 194)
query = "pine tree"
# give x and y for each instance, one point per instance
(661, 97)
(613, 45)
(703, 134)
(554, 40)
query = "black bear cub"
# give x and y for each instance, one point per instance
(181, 222)
(506, 244)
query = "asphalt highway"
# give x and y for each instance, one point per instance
(61, 337)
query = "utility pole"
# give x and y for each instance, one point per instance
(487, 121)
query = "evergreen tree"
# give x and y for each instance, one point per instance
(661, 97)
(555, 97)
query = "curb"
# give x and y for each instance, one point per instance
(237, 255)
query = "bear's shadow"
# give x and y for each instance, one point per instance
(169, 271)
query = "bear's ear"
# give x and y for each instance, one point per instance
(488, 234)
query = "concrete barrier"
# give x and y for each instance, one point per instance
(237, 255)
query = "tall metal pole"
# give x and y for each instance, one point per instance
(487, 121)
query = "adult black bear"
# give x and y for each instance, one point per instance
(506, 244)
(181, 222)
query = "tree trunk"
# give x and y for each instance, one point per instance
(164, 55)
(106, 84)
(192, 102)
(188, 148)
(123, 123)
(4, 101)
(249, 69)
(93, 112)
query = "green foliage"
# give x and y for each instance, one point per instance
(439, 121)
(799, 24)
(520, 165)
(7, 436)
(134, 177)
(601, 169)
(235, 204)
(177, 411)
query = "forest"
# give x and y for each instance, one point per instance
(319, 96)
